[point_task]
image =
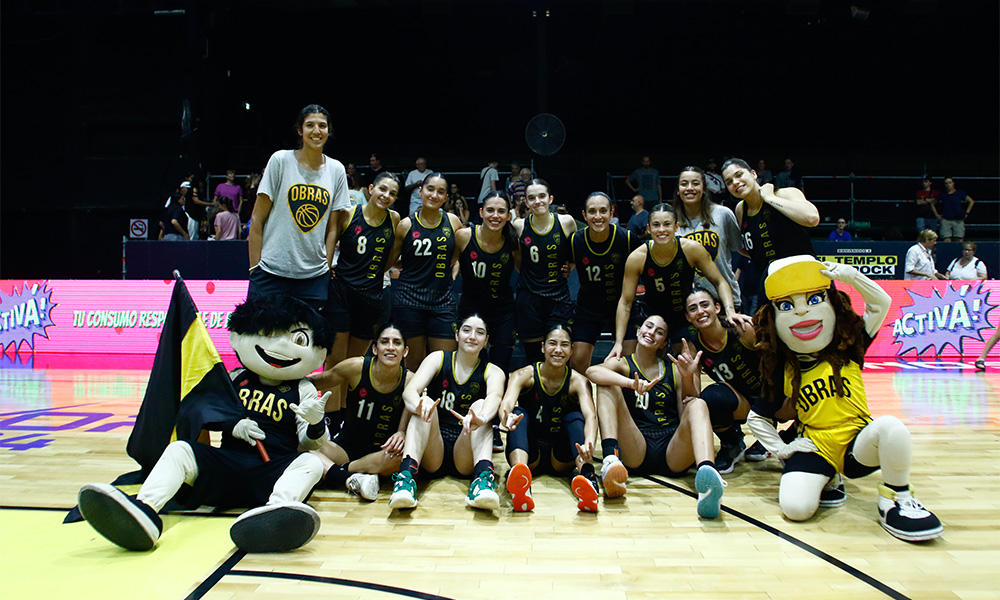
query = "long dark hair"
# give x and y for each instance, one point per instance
(509, 237)
(848, 345)
(706, 207)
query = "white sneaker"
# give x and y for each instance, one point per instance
(364, 485)
(905, 517)
(614, 476)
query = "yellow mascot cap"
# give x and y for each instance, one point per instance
(794, 275)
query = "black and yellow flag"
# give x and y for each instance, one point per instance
(189, 389)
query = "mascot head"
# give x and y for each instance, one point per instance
(799, 292)
(279, 337)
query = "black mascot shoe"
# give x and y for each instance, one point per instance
(275, 527)
(122, 519)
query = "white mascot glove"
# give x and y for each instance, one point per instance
(312, 410)
(799, 444)
(841, 272)
(248, 431)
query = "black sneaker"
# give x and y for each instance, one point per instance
(756, 453)
(275, 527)
(123, 520)
(729, 455)
(497, 440)
(834, 493)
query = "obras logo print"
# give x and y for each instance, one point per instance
(308, 203)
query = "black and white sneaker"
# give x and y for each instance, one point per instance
(729, 455)
(833, 493)
(905, 517)
(756, 453)
(123, 520)
(497, 440)
(275, 527)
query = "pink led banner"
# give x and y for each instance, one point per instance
(927, 319)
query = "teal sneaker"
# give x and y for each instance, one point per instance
(482, 492)
(404, 491)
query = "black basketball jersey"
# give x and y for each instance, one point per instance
(371, 416)
(770, 235)
(364, 250)
(542, 257)
(454, 394)
(601, 268)
(544, 409)
(657, 407)
(734, 363)
(268, 406)
(486, 276)
(667, 286)
(425, 279)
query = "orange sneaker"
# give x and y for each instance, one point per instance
(586, 491)
(519, 486)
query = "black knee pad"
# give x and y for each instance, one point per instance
(722, 403)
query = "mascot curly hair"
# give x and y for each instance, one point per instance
(279, 341)
(812, 347)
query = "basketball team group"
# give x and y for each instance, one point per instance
(417, 385)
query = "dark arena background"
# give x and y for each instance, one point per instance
(95, 92)
(109, 104)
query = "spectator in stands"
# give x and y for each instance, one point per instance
(515, 191)
(227, 222)
(356, 194)
(411, 187)
(713, 181)
(515, 175)
(789, 177)
(638, 223)
(645, 181)
(920, 258)
(927, 212)
(763, 173)
(967, 266)
(488, 180)
(250, 196)
(952, 212)
(376, 166)
(175, 221)
(840, 234)
(228, 189)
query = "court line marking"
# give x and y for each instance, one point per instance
(226, 569)
(854, 572)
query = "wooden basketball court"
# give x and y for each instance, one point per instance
(62, 428)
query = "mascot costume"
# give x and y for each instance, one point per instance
(813, 347)
(279, 341)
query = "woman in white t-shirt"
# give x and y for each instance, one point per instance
(967, 267)
(294, 225)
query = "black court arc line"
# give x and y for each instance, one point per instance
(226, 569)
(852, 571)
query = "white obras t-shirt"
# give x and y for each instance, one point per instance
(294, 241)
